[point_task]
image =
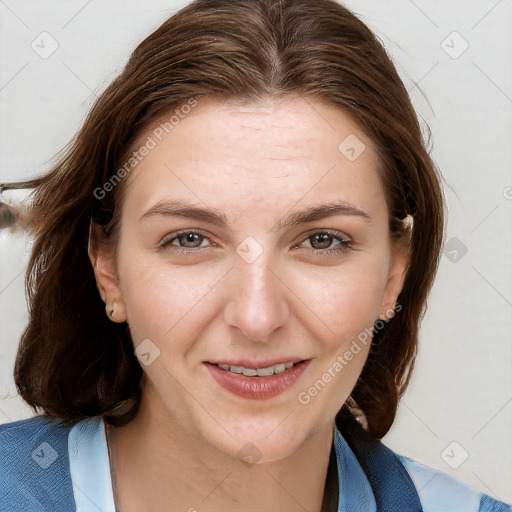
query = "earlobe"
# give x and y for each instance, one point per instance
(115, 313)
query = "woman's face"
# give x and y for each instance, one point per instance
(253, 236)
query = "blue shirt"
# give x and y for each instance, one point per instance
(46, 466)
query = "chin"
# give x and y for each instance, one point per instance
(260, 442)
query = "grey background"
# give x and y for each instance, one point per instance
(457, 414)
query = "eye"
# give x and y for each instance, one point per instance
(321, 243)
(184, 242)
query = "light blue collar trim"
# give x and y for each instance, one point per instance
(90, 467)
(355, 492)
(435, 488)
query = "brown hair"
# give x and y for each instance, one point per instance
(73, 362)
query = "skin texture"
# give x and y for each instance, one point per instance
(256, 164)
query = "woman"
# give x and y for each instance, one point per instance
(229, 268)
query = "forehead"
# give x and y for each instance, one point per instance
(270, 154)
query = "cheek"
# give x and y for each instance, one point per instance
(344, 300)
(162, 301)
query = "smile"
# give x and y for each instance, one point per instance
(257, 383)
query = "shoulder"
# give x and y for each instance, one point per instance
(34, 466)
(394, 482)
(440, 492)
(31, 427)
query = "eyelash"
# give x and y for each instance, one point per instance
(344, 244)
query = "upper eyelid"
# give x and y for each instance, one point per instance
(332, 232)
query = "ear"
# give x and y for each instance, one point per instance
(397, 270)
(107, 281)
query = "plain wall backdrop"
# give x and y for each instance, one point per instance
(455, 58)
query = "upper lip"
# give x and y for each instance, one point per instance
(247, 363)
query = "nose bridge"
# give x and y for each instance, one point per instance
(257, 304)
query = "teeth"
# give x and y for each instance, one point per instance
(265, 372)
(260, 372)
(279, 368)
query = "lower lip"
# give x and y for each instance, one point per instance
(257, 388)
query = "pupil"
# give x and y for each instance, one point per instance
(190, 238)
(324, 240)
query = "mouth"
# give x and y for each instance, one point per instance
(257, 380)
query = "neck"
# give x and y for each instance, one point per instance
(156, 462)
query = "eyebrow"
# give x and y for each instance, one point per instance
(179, 208)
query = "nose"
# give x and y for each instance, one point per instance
(257, 303)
